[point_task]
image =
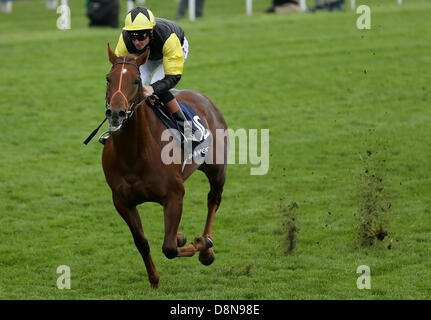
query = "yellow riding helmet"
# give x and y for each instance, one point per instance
(139, 18)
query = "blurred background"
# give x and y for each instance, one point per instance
(349, 120)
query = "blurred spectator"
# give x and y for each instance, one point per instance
(183, 6)
(103, 13)
(280, 6)
(328, 5)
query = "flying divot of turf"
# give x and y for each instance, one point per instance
(289, 226)
(373, 206)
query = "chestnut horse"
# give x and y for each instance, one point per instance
(134, 169)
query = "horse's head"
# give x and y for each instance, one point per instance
(124, 87)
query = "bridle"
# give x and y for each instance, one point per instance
(130, 109)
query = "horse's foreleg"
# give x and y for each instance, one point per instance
(131, 217)
(172, 217)
(173, 211)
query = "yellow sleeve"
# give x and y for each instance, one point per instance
(173, 56)
(121, 50)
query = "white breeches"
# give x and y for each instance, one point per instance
(153, 70)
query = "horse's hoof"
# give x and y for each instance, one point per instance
(208, 243)
(203, 242)
(154, 283)
(181, 239)
(206, 261)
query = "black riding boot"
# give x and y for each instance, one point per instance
(189, 133)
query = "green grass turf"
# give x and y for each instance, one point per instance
(327, 92)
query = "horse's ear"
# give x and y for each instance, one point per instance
(111, 55)
(143, 57)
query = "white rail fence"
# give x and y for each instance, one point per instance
(353, 3)
(6, 5)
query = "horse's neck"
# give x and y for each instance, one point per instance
(135, 135)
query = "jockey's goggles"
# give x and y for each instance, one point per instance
(139, 35)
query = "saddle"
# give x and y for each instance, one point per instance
(201, 135)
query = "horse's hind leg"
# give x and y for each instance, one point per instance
(131, 216)
(181, 239)
(216, 174)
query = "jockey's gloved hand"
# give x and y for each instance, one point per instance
(147, 91)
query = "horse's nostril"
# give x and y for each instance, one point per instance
(108, 113)
(122, 114)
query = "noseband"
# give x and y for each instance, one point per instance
(130, 109)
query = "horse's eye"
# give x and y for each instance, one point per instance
(136, 82)
(108, 80)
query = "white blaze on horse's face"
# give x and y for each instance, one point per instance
(119, 99)
(124, 89)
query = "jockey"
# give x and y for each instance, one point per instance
(168, 51)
